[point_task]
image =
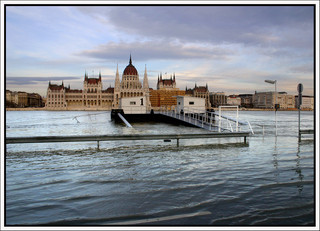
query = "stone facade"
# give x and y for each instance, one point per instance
(165, 95)
(94, 97)
(269, 99)
(130, 86)
(23, 99)
(200, 92)
(218, 99)
(307, 102)
(233, 100)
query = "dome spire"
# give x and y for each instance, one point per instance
(145, 79)
(130, 61)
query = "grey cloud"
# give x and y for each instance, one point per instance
(35, 80)
(307, 68)
(214, 24)
(157, 50)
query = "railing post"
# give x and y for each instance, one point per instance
(219, 118)
(177, 142)
(237, 124)
(202, 121)
(98, 145)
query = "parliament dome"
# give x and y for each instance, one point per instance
(130, 69)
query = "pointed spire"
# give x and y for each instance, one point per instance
(174, 77)
(49, 83)
(117, 81)
(145, 79)
(62, 83)
(207, 86)
(130, 61)
(100, 75)
(161, 76)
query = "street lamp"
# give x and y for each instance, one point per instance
(275, 93)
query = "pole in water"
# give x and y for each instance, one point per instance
(300, 89)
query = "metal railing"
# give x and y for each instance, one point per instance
(208, 120)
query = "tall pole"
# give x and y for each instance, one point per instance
(299, 118)
(300, 89)
(275, 101)
(275, 106)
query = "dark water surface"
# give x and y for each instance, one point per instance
(268, 181)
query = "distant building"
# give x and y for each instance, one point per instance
(268, 100)
(130, 86)
(94, 97)
(233, 100)
(200, 92)
(166, 84)
(165, 95)
(307, 102)
(35, 100)
(217, 99)
(246, 100)
(22, 99)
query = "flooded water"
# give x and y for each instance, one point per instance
(218, 182)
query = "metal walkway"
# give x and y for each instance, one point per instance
(210, 121)
(113, 137)
(201, 121)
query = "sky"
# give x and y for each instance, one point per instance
(233, 49)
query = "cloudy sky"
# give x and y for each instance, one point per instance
(231, 48)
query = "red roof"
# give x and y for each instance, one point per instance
(130, 69)
(55, 87)
(109, 90)
(200, 89)
(93, 81)
(167, 81)
(73, 90)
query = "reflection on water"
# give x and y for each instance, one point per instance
(268, 181)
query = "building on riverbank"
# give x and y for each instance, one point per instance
(93, 96)
(217, 99)
(269, 99)
(200, 92)
(22, 99)
(307, 102)
(165, 95)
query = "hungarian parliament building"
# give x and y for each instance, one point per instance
(94, 97)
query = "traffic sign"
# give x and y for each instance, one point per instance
(300, 88)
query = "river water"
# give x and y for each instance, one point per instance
(220, 182)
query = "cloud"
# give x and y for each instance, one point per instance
(251, 25)
(35, 80)
(306, 68)
(151, 50)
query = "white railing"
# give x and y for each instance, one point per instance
(194, 116)
(207, 120)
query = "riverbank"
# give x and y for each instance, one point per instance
(104, 109)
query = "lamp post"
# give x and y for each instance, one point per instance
(276, 104)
